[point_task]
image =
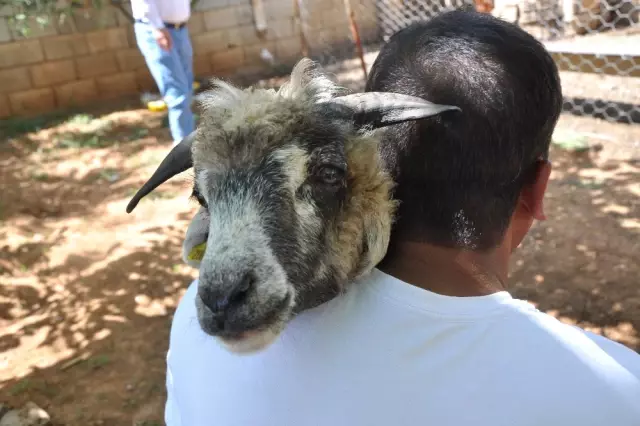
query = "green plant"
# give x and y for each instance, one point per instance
(98, 361)
(24, 12)
(20, 387)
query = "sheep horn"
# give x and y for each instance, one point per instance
(177, 161)
(383, 109)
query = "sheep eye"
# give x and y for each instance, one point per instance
(330, 175)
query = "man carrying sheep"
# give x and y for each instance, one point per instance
(431, 337)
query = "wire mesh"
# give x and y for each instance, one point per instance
(596, 43)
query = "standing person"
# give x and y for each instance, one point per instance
(163, 38)
(432, 337)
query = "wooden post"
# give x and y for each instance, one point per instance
(356, 35)
(567, 11)
(298, 16)
(259, 18)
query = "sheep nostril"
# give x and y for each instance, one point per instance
(242, 289)
(235, 296)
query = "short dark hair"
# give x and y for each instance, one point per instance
(459, 175)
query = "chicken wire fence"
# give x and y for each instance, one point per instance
(596, 43)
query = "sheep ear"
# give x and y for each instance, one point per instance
(380, 109)
(195, 240)
(177, 161)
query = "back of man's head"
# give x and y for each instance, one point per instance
(459, 175)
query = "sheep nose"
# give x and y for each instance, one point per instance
(222, 302)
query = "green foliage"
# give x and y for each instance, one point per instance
(20, 387)
(24, 14)
(570, 141)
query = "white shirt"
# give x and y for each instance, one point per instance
(391, 354)
(157, 12)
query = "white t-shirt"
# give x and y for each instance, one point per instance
(156, 12)
(391, 354)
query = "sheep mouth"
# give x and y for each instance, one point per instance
(259, 333)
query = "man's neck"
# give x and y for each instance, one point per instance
(449, 272)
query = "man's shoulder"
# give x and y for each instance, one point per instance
(549, 335)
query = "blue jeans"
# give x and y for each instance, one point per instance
(173, 73)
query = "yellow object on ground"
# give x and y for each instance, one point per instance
(197, 253)
(157, 106)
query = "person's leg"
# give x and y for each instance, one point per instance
(182, 45)
(169, 75)
(185, 52)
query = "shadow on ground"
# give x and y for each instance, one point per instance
(581, 264)
(87, 291)
(70, 166)
(111, 325)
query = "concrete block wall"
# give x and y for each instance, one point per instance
(93, 55)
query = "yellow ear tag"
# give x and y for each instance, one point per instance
(197, 252)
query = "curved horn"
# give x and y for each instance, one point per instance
(384, 108)
(177, 161)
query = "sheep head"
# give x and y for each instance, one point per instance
(295, 201)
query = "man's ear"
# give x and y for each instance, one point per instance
(532, 195)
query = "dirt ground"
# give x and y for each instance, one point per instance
(87, 291)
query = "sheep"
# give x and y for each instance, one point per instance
(295, 201)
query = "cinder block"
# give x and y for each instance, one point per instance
(66, 25)
(53, 73)
(131, 36)
(24, 52)
(109, 39)
(316, 5)
(320, 39)
(289, 50)
(114, 86)
(334, 17)
(5, 32)
(32, 101)
(282, 28)
(145, 80)
(209, 42)
(34, 29)
(202, 65)
(252, 53)
(6, 11)
(196, 24)
(14, 79)
(245, 35)
(227, 60)
(217, 19)
(76, 93)
(278, 9)
(366, 11)
(370, 32)
(5, 108)
(130, 59)
(337, 34)
(121, 18)
(244, 14)
(64, 46)
(94, 20)
(97, 65)
(315, 23)
(203, 5)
